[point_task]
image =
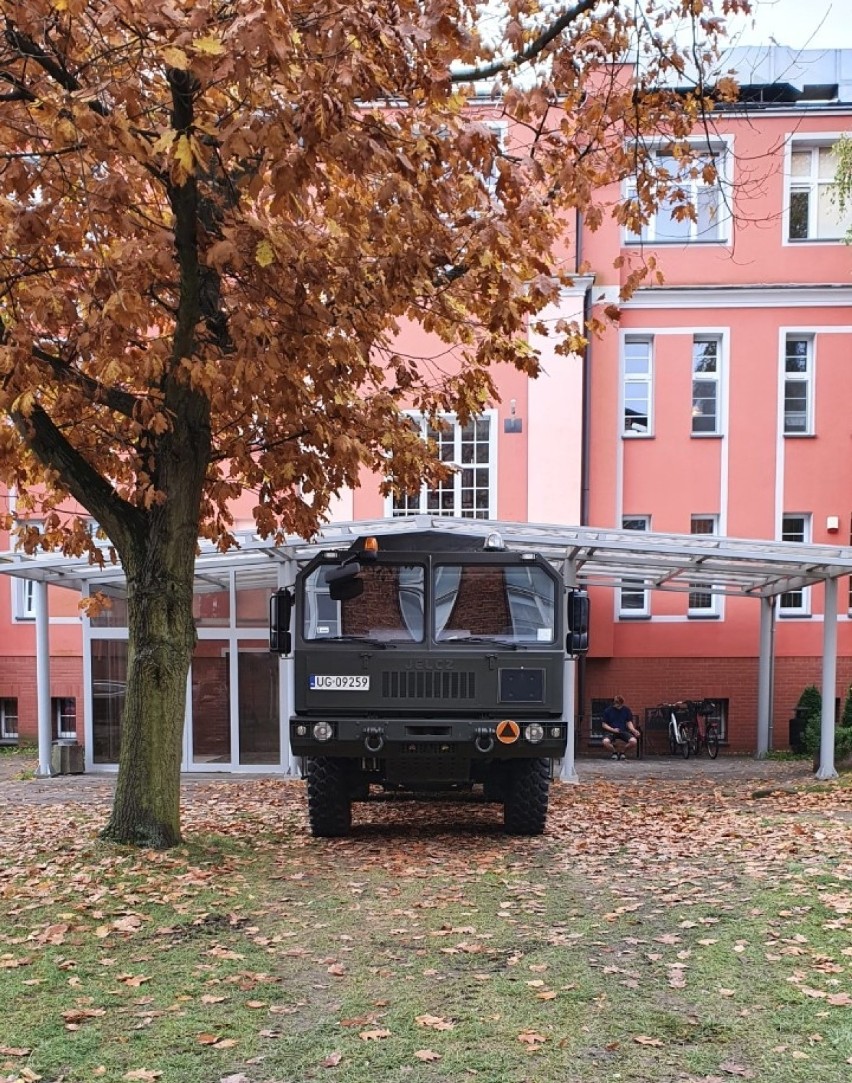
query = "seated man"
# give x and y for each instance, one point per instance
(618, 726)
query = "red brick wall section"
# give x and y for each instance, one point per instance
(18, 681)
(645, 682)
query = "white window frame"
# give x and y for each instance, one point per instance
(816, 187)
(8, 720)
(23, 599)
(796, 603)
(418, 504)
(653, 233)
(62, 733)
(793, 379)
(632, 612)
(712, 608)
(637, 381)
(714, 378)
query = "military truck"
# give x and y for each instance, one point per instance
(428, 663)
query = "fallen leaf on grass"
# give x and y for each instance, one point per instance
(736, 1069)
(548, 994)
(643, 1039)
(337, 970)
(332, 1060)
(13, 1051)
(529, 1037)
(146, 1075)
(436, 1022)
(427, 1055)
(76, 1016)
(373, 1035)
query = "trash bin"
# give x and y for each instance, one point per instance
(66, 758)
(798, 725)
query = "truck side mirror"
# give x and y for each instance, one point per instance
(345, 582)
(280, 608)
(577, 640)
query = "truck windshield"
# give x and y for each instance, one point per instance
(511, 603)
(389, 610)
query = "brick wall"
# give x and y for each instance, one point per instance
(18, 681)
(645, 682)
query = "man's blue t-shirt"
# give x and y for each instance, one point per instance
(618, 717)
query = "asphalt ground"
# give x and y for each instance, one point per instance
(19, 787)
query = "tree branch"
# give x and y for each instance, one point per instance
(537, 46)
(118, 518)
(121, 402)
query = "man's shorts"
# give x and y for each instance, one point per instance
(622, 735)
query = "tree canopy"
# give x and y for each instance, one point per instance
(215, 217)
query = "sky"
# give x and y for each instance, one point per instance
(800, 24)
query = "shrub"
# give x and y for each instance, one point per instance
(811, 702)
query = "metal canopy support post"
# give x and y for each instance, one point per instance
(44, 769)
(568, 772)
(287, 669)
(764, 676)
(829, 682)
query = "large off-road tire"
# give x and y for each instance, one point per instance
(329, 797)
(526, 795)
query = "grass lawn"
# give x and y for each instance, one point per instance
(656, 933)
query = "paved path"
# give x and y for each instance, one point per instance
(18, 787)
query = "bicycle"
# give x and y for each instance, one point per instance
(703, 731)
(679, 738)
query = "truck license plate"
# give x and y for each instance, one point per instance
(338, 682)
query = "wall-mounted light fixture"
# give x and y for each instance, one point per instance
(832, 524)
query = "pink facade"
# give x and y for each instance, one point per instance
(718, 403)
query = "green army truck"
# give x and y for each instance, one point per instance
(428, 663)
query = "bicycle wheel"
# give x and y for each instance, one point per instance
(712, 742)
(694, 739)
(686, 744)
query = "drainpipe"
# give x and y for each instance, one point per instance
(585, 432)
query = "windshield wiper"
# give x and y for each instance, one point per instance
(495, 640)
(380, 643)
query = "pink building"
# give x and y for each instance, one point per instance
(717, 405)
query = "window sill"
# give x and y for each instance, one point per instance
(637, 435)
(793, 615)
(707, 435)
(703, 616)
(634, 616)
(799, 435)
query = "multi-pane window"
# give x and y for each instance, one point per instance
(813, 210)
(8, 719)
(469, 490)
(705, 384)
(693, 207)
(23, 599)
(794, 528)
(638, 385)
(798, 385)
(64, 711)
(633, 598)
(702, 602)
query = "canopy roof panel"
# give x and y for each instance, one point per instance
(596, 556)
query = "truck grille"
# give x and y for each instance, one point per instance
(402, 684)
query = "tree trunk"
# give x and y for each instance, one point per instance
(146, 809)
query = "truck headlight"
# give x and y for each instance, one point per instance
(301, 730)
(534, 733)
(556, 731)
(323, 731)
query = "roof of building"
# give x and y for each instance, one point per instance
(595, 556)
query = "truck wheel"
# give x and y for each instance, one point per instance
(527, 792)
(329, 801)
